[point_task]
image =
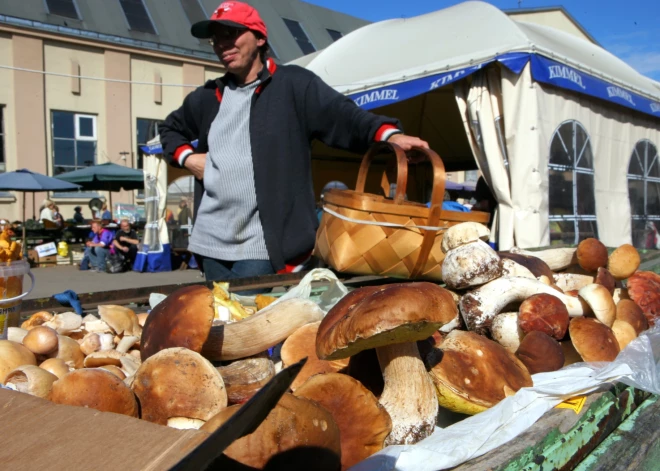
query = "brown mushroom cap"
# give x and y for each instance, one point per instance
(177, 382)
(600, 301)
(472, 373)
(41, 340)
(38, 318)
(591, 254)
(96, 389)
(537, 266)
(540, 352)
(390, 314)
(605, 278)
(628, 311)
(183, 319)
(243, 378)
(623, 262)
(544, 313)
(13, 355)
(31, 379)
(363, 423)
(114, 370)
(121, 319)
(301, 344)
(644, 289)
(624, 333)
(69, 351)
(55, 366)
(292, 423)
(593, 340)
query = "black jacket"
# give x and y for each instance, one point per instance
(290, 108)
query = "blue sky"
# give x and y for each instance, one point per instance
(630, 29)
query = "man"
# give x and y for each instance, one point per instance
(254, 200)
(126, 241)
(99, 247)
(77, 215)
(184, 213)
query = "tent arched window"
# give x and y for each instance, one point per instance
(571, 185)
(644, 193)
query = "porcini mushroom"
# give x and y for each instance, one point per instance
(591, 254)
(55, 366)
(471, 264)
(177, 382)
(392, 318)
(644, 289)
(544, 313)
(605, 278)
(41, 340)
(13, 355)
(121, 319)
(540, 353)
(69, 351)
(363, 423)
(572, 281)
(243, 378)
(511, 268)
(38, 318)
(16, 334)
(600, 301)
(623, 262)
(31, 379)
(593, 340)
(463, 233)
(556, 259)
(506, 331)
(535, 265)
(629, 323)
(65, 322)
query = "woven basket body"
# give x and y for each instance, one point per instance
(367, 234)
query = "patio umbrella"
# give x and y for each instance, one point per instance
(108, 177)
(30, 182)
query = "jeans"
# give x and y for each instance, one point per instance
(97, 257)
(223, 270)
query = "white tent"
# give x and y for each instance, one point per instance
(560, 128)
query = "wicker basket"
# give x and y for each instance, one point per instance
(367, 234)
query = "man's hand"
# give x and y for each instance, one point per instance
(124, 249)
(195, 163)
(88, 243)
(402, 140)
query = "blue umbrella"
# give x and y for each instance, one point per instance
(30, 182)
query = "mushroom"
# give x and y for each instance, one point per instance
(644, 289)
(591, 254)
(90, 343)
(511, 268)
(363, 423)
(479, 306)
(142, 318)
(128, 363)
(605, 278)
(471, 264)
(16, 334)
(472, 373)
(506, 331)
(177, 382)
(293, 422)
(392, 318)
(13, 355)
(623, 262)
(126, 342)
(115, 370)
(185, 423)
(64, 323)
(544, 313)
(243, 378)
(572, 281)
(463, 233)
(593, 340)
(94, 388)
(92, 324)
(535, 265)
(69, 351)
(600, 301)
(38, 318)
(55, 366)
(41, 340)
(619, 294)
(301, 344)
(185, 317)
(556, 259)
(121, 319)
(540, 353)
(31, 379)
(629, 323)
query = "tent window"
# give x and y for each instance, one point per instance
(644, 194)
(571, 194)
(300, 36)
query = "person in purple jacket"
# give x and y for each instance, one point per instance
(99, 247)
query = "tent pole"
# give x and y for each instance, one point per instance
(33, 206)
(24, 237)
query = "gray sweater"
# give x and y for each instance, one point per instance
(228, 226)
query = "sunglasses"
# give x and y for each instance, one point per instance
(225, 34)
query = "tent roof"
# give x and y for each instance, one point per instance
(398, 50)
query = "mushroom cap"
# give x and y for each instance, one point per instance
(537, 266)
(623, 262)
(591, 254)
(243, 378)
(293, 422)
(103, 358)
(115, 370)
(540, 353)
(572, 281)
(13, 355)
(301, 344)
(471, 264)
(97, 389)
(605, 278)
(463, 233)
(600, 301)
(472, 373)
(41, 340)
(628, 311)
(69, 351)
(544, 313)
(593, 340)
(36, 319)
(396, 313)
(55, 366)
(121, 319)
(31, 379)
(177, 382)
(183, 319)
(624, 333)
(363, 423)
(644, 289)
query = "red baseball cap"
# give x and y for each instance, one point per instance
(232, 14)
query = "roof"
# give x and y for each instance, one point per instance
(454, 38)
(571, 18)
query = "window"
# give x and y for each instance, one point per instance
(334, 34)
(147, 129)
(194, 11)
(137, 16)
(2, 140)
(66, 8)
(644, 193)
(300, 36)
(74, 141)
(571, 185)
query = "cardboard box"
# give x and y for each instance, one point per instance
(37, 434)
(45, 261)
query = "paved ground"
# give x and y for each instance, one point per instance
(52, 280)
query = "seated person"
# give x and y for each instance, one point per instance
(57, 216)
(106, 215)
(77, 215)
(46, 211)
(126, 241)
(98, 248)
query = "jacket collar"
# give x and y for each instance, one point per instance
(264, 77)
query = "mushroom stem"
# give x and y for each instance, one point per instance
(556, 259)
(409, 395)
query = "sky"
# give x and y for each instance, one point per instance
(629, 29)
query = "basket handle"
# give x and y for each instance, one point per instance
(401, 169)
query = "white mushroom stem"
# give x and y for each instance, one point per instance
(480, 306)
(572, 281)
(185, 423)
(506, 331)
(126, 343)
(16, 334)
(462, 234)
(96, 325)
(511, 268)
(65, 323)
(409, 395)
(556, 259)
(107, 342)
